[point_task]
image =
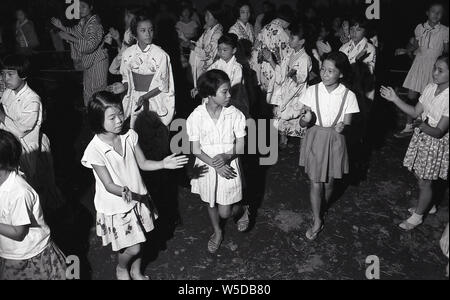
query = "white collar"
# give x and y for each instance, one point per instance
(8, 184)
(427, 25)
(338, 91)
(104, 147)
(24, 90)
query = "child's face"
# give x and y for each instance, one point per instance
(223, 96)
(435, 13)
(12, 79)
(113, 120)
(329, 73)
(440, 72)
(357, 33)
(145, 32)
(20, 15)
(186, 14)
(85, 9)
(295, 42)
(244, 14)
(226, 52)
(323, 32)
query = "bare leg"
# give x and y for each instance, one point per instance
(124, 258)
(136, 266)
(215, 221)
(425, 197)
(316, 203)
(329, 189)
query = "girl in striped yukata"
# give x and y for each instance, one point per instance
(86, 40)
(216, 131)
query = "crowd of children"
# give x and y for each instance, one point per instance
(303, 70)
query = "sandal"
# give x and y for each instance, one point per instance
(141, 277)
(122, 274)
(405, 225)
(213, 247)
(312, 235)
(244, 221)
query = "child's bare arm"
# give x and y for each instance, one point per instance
(389, 94)
(197, 151)
(16, 233)
(170, 162)
(437, 132)
(107, 181)
(225, 158)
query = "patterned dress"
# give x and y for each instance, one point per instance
(288, 92)
(275, 39)
(205, 52)
(428, 157)
(243, 31)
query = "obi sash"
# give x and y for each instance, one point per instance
(142, 82)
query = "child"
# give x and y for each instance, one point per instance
(274, 38)
(428, 152)
(187, 30)
(128, 40)
(242, 28)
(147, 75)
(204, 51)
(26, 36)
(291, 78)
(121, 198)
(86, 40)
(217, 131)
(431, 41)
(323, 45)
(21, 114)
(324, 151)
(26, 249)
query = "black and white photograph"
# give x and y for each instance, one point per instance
(224, 146)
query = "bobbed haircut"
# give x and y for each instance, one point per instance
(342, 63)
(229, 39)
(97, 107)
(239, 4)
(215, 9)
(10, 151)
(17, 62)
(443, 58)
(141, 16)
(210, 82)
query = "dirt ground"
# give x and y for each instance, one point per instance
(362, 222)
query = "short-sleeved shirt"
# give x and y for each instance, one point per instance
(220, 137)
(20, 206)
(435, 107)
(232, 68)
(432, 38)
(330, 103)
(124, 171)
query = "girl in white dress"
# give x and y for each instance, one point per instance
(216, 131)
(430, 42)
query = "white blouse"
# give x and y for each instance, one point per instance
(435, 107)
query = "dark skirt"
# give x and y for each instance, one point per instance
(49, 265)
(324, 154)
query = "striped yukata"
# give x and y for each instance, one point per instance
(94, 58)
(217, 138)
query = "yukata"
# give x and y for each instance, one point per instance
(288, 92)
(275, 39)
(205, 52)
(243, 31)
(144, 71)
(88, 51)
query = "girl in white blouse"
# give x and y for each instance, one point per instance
(428, 153)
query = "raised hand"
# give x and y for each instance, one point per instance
(388, 93)
(57, 23)
(114, 33)
(116, 88)
(399, 52)
(173, 162)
